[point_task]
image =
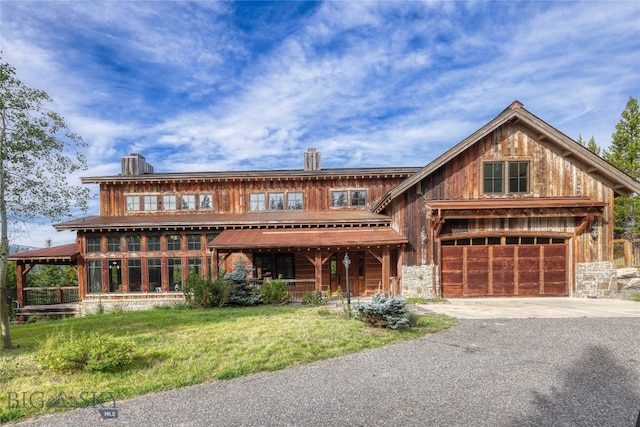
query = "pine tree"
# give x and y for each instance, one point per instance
(624, 153)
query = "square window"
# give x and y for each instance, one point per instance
(150, 203)
(358, 198)
(276, 201)
(493, 177)
(114, 244)
(194, 242)
(518, 177)
(294, 201)
(153, 243)
(256, 202)
(188, 202)
(204, 201)
(338, 199)
(134, 244)
(132, 203)
(94, 244)
(194, 266)
(169, 202)
(174, 242)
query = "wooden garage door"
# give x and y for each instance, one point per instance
(516, 266)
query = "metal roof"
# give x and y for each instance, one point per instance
(307, 238)
(64, 253)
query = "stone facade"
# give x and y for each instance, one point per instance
(418, 281)
(596, 279)
(628, 283)
(118, 303)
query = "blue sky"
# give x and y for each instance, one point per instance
(205, 86)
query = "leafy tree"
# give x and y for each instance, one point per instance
(38, 152)
(624, 153)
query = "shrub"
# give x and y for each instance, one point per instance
(202, 292)
(92, 353)
(241, 292)
(313, 299)
(275, 292)
(383, 312)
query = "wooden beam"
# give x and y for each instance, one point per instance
(386, 269)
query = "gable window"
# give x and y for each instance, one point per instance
(188, 202)
(493, 177)
(256, 202)
(518, 177)
(150, 203)
(276, 201)
(294, 201)
(132, 203)
(169, 202)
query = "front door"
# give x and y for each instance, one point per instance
(338, 273)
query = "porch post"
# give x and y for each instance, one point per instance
(20, 281)
(386, 269)
(318, 270)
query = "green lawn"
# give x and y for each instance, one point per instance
(180, 347)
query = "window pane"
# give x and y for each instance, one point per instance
(188, 202)
(169, 202)
(94, 244)
(94, 272)
(256, 202)
(358, 198)
(154, 274)
(174, 242)
(194, 266)
(493, 177)
(133, 203)
(284, 266)
(194, 242)
(113, 244)
(262, 266)
(205, 201)
(338, 198)
(151, 203)
(519, 177)
(134, 274)
(153, 243)
(276, 201)
(174, 270)
(115, 276)
(134, 244)
(294, 202)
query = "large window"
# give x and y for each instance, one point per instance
(345, 198)
(174, 270)
(493, 176)
(295, 201)
(94, 273)
(256, 202)
(132, 203)
(115, 276)
(169, 202)
(274, 266)
(94, 244)
(134, 275)
(518, 177)
(154, 274)
(150, 203)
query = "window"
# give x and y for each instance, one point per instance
(115, 276)
(338, 199)
(518, 177)
(358, 198)
(133, 203)
(150, 203)
(194, 242)
(194, 266)
(134, 274)
(153, 243)
(113, 244)
(154, 274)
(493, 176)
(276, 201)
(205, 201)
(294, 202)
(94, 273)
(188, 202)
(274, 266)
(169, 202)
(174, 243)
(94, 244)
(256, 202)
(174, 269)
(285, 266)
(134, 244)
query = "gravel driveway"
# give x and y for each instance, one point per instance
(511, 372)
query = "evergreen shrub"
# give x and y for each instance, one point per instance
(384, 312)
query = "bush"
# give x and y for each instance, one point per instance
(241, 292)
(202, 292)
(313, 299)
(92, 353)
(384, 312)
(275, 292)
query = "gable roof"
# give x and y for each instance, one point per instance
(54, 254)
(516, 113)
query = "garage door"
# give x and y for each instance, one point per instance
(507, 266)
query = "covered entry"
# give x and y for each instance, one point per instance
(504, 266)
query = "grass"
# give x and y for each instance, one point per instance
(181, 347)
(417, 300)
(635, 297)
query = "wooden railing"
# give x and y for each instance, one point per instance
(50, 295)
(299, 287)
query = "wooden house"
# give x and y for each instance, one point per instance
(514, 209)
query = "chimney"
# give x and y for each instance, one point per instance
(135, 164)
(312, 160)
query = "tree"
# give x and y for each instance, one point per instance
(591, 145)
(624, 153)
(38, 152)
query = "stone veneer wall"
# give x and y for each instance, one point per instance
(596, 279)
(117, 303)
(418, 281)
